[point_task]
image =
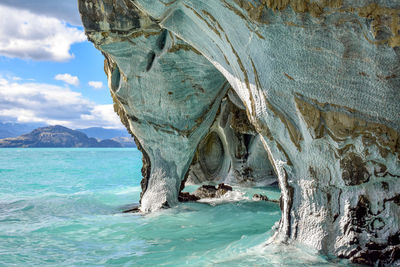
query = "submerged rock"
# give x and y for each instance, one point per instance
(186, 197)
(222, 189)
(229, 90)
(205, 191)
(260, 197)
(210, 191)
(133, 209)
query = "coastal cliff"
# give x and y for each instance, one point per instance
(301, 92)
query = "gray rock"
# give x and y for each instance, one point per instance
(259, 197)
(210, 191)
(318, 82)
(205, 191)
(186, 197)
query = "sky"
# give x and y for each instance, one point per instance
(49, 72)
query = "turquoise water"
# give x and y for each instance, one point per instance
(62, 207)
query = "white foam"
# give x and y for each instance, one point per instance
(160, 189)
(128, 190)
(274, 254)
(230, 196)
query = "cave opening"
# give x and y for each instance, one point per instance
(333, 138)
(230, 155)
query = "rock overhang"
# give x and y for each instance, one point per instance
(319, 83)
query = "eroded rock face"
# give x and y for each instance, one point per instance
(166, 92)
(319, 82)
(232, 151)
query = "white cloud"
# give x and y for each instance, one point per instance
(95, 84)
(66, 10)
(51, 104)
(68, 78)
(30, 36)
(100, 113)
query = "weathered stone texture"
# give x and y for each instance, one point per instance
(315, 89)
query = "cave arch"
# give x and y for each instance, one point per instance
(241, 157)
(309, 97)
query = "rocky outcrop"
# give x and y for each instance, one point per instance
(168, 100)
(205, 191)
(260, 197)
(318, 82)
(210, 191)
(186, 197)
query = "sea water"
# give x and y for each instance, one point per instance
(63, 207)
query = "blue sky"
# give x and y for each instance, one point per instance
(49, 72)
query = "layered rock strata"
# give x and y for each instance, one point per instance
(319, 82)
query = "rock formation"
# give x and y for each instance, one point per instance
(211, 89)
(260, 197)
(210, 191)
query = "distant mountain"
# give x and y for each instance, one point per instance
(125, 141)
(56, 136)
(8, 129)
(102, 133)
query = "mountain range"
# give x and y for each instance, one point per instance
(60, 136)
(10, 129)
(102, 133)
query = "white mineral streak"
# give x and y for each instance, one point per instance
(161, 189)
(230, 196)
(319, 84)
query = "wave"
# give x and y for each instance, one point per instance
(127, 190)
(230, 196)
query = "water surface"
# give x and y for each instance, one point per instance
(62, 207)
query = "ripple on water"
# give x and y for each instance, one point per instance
(63, 208)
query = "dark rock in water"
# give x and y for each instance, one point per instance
(222, 189)
(259, 197)
(205, 191)
(134, 209)
(210, 191)
(186, 197)
(384, 256)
